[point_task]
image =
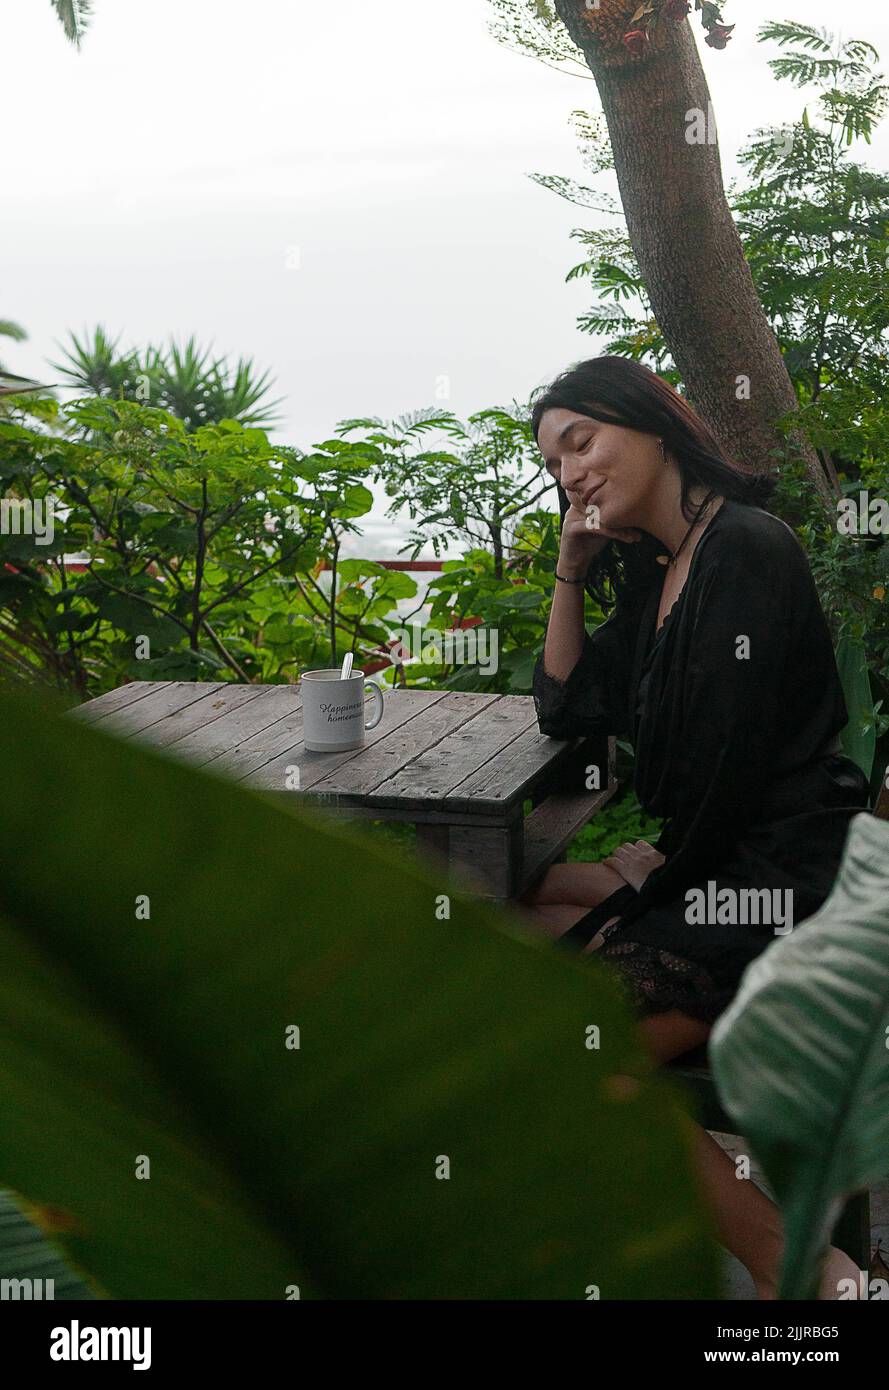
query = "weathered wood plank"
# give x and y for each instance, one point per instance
(570, 772)
(554, 823)
(236, 726)
(434, 841)
(440, 714)
(353, 811)
(480, 735)
(114, 699)
(511, 774)
(490, 860)
(241, 763)
(170, 696)
(410, 720)
(478, 860)
(197, 718)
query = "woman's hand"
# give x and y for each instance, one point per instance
(634, 862)
(581, 541)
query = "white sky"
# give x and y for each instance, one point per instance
(155, 182)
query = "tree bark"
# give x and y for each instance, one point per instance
(681, 230)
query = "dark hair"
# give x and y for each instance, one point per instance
(618, 391)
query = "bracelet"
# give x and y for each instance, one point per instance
(582, 580)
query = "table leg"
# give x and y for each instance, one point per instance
(492, 854)
(434, 841)
(485, 860)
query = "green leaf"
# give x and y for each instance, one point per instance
(800, 1059)
(153, 520)
(354, 501)
(520, 665)
(178, 665)
(350, 570)
(397, 585)
(423, 1039)
(519, 598)
(137, 619)
(852, 665)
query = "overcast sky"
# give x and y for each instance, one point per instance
(338, 190)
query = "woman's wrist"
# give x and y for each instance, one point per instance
(572, 569)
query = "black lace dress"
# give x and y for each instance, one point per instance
(734, 710)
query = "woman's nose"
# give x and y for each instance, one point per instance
(575, 477)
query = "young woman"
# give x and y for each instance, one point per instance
(717, 663)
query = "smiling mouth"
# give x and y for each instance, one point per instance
(591, 495)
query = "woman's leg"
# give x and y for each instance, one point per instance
(587, 885)
(553, 919)
(747, 1222)
(567, 893)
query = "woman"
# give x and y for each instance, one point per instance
(717, 662)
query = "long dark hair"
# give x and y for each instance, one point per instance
(618, 391)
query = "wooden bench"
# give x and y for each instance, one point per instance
(852, 1232)
(562, 805)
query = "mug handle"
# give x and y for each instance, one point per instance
(377, 693)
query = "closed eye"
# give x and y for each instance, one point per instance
(552, 466)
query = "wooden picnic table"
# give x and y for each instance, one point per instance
(458, 765)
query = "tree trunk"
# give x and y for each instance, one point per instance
(681, 230)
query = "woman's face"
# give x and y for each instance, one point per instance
(615, 468)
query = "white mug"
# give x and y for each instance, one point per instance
(334, 710)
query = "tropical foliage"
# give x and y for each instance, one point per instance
(183, 378)
(800, 1056)
(214, 1102)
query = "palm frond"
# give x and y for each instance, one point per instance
(74, 16)
(96, 365)
(17, 385)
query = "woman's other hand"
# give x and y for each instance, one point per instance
(634, 861)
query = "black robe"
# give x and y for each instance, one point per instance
(736, 748)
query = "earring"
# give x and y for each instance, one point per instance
(663, 451)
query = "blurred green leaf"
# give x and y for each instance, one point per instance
(423, 1039)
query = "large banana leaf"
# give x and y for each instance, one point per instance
(800, 1057)
(426, 1043)
(27, 1254)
